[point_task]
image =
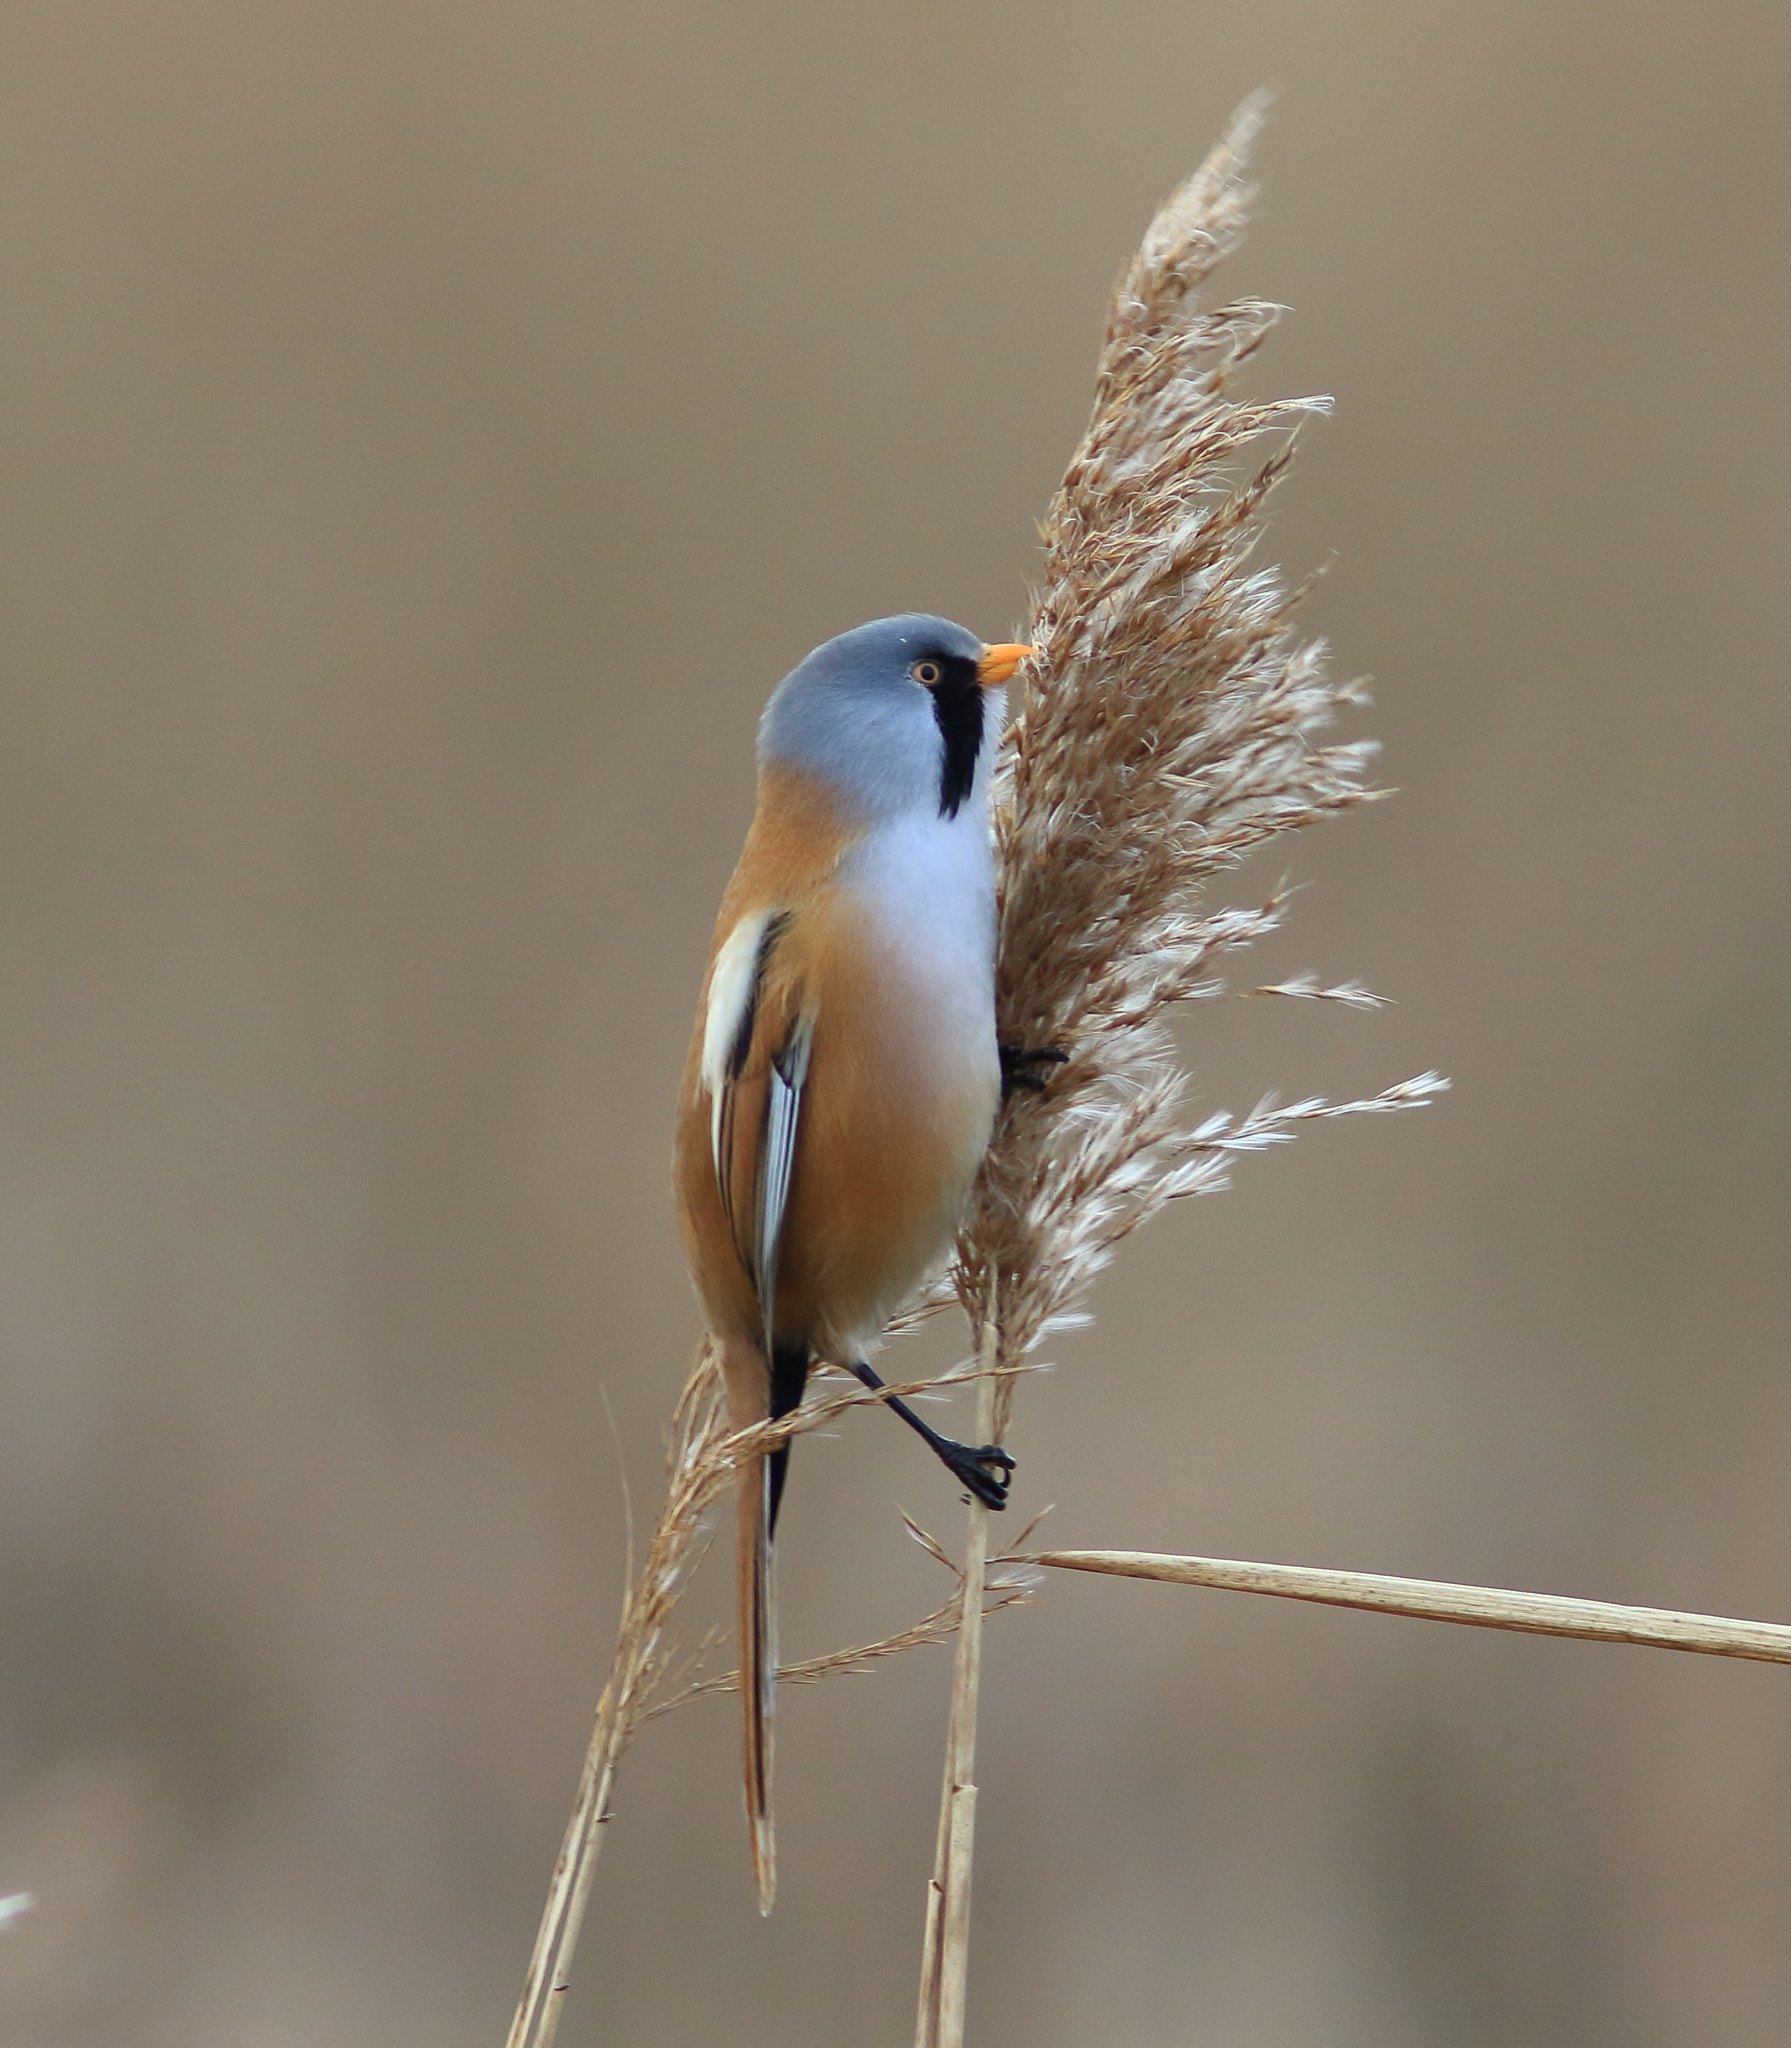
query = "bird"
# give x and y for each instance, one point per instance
(844, 1073)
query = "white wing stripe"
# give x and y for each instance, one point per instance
(783, 1106)
(732, 989)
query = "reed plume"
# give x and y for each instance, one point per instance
(1172, 721)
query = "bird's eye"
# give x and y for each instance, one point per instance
(926, 673)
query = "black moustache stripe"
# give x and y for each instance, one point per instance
(958, 706)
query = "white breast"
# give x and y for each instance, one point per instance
(926, 886)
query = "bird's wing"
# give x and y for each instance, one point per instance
(757, 1034)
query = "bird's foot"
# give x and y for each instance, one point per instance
(1020, 1066)
(984, 1471)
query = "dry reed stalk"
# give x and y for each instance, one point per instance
(1537, 1614)
(945, 1951)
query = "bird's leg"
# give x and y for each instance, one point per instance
(1020, 1066)
(970, 1467)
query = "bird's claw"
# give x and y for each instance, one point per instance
(972, 1468)
(1020, 1066)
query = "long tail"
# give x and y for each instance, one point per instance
(758, 1668)
(751, 1392)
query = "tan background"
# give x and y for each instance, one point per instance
(429, 430)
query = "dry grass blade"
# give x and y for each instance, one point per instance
(1541, 1614)
(941, 1626)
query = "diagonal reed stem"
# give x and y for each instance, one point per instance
(699, 1466)
(945, 1953)
(550, 1967)
(1540, 1614)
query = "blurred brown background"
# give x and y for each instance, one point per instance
(430, 430)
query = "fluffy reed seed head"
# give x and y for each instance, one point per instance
(1170, 722)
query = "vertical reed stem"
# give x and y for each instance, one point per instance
(945, 1956)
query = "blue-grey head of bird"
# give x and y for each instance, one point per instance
(899, 717)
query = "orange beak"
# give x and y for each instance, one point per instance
(998, 663)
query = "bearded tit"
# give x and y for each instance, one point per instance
(844, 1073)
